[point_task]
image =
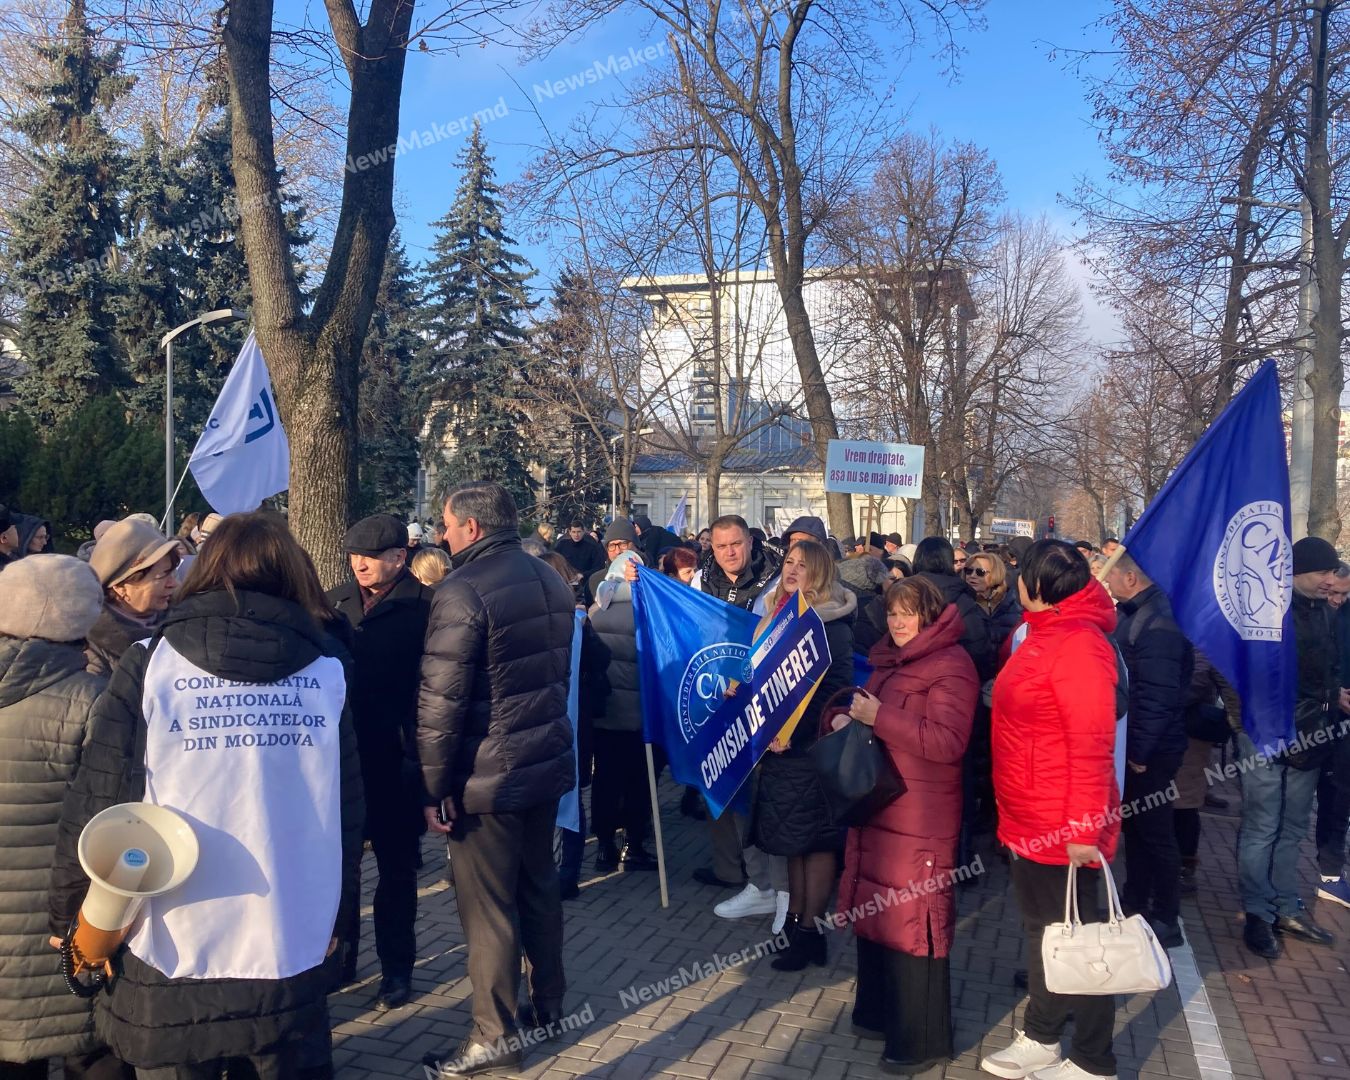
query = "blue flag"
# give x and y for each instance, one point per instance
(1216, 541)
(691, 648)
(694, 649)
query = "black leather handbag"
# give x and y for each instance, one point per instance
(857, 775)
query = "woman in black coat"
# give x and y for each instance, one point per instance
(235, 715)
(791, 816)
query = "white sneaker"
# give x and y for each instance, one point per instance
(751, 900)
(780, 913)
(1023, 1058)
(1066, 1070)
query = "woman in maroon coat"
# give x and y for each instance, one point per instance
(899, 868)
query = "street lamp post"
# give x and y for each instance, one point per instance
(166, 343)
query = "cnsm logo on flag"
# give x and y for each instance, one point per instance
(705, 682)
(1253, 572)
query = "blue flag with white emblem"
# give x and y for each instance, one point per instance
(1215, 539)
(729, 702)
(691, 649)
(243, 456)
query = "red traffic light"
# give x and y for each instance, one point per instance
(1052, 523)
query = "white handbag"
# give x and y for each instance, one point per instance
(1119, 956)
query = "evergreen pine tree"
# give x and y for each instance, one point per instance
(565, 403)
(475, 340)
(387, 413)
(63, 248)
(96, 464)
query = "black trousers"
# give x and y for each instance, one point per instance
(506, 888)
(98, 1064)
(394, 832)
(1333, 809)
(907, 997)
(1040, 896)
(1152, 858)
(620, 796)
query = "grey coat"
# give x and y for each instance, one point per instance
(45, 699)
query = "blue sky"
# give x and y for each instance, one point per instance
(1027, 109)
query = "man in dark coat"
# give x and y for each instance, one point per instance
(738, 569)
(653, 540)
(387, 608)
(1160, 661)
(1278, 791)
(496, 750)
(582, 550)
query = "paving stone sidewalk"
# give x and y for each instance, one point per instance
(1295, 1011)
(751, 1021)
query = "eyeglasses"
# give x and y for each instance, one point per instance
(977, 571)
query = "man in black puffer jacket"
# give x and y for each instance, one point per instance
(496, 751)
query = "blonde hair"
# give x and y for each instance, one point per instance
(822, 579)
(545, 532)
(996, 575)
(430, 565)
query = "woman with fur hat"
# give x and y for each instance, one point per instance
(47, 605)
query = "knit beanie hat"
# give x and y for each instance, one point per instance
(54, 597)
(1313, 554)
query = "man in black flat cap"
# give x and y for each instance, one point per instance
(388, 610)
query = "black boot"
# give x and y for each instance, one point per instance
(805, 946)
(1259, 936)
(691, 805)
(606, 857)
(1189, 865)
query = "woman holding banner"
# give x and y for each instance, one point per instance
(920, 699)
(791, 817)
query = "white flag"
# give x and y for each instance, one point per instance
(676, 523)
(243, 456)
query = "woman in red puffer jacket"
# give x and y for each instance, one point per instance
(1053, 737)
(897, 887)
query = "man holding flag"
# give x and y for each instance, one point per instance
(1216, 541)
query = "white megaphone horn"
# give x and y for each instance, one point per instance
(131, 852)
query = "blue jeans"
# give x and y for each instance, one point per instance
(1276, 807)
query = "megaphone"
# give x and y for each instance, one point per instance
(131, 852)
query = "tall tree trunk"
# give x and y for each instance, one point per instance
(314, 358)
(714, 481)
(790, 279)
(1327, 379)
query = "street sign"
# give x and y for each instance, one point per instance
(874, 468)
(1013, 527)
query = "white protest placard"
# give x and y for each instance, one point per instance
(874, 468)
(1013, 527)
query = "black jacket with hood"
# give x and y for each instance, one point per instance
(149, 1019)
(976, 638)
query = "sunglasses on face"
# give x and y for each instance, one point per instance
(977, 571)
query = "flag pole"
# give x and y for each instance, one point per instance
(1111, 561)
(165, 525)
(656, 829)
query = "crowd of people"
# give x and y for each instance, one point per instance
(470, 683)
